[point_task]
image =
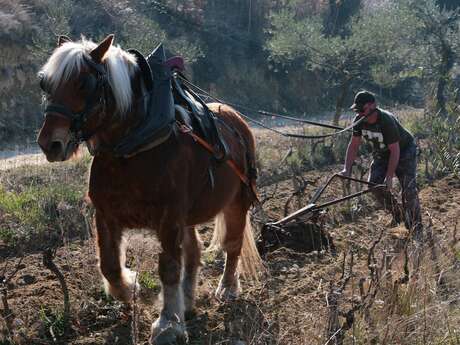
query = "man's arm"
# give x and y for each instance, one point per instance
(352, 152)
(392, 163)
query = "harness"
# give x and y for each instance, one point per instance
(157, 114)
(97, 93)
(169, 107)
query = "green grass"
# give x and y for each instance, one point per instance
(35, 209)
(148, 281)
(41, 203)
(53, 322)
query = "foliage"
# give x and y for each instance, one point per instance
(444, 146)
(431, 44)
(440, 152)
(315, 51)
(13, 20)
(361, 55)
(53, 323)
(35, 211)
(148, 281)
(39, 207)
(338, 16)
(380, 45)
(137, 29)
(28, 36)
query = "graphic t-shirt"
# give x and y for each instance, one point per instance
(386, 130)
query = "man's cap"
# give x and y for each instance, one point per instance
(362, 98)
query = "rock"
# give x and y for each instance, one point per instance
(26, 279)
(239, 342)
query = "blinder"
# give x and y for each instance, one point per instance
(44, 85)
(94, 87)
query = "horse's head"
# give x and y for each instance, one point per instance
(85, 84)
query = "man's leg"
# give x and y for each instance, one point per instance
(377, 175)
(407, 173)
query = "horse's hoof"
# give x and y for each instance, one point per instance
(125, 289)
(168, 333)
(123, 294)
(226, 293)
(170, 336)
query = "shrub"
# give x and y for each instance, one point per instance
(439, 143)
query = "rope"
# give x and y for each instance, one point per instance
(266, 113)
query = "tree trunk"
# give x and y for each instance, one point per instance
(444, 70)
(331, 18)
(344, 88)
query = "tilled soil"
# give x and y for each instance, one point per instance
(289, 305)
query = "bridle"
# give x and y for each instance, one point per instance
(97, 93)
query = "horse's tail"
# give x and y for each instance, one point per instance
(250, 263)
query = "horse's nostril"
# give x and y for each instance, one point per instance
(56, 146)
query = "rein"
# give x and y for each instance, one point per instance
(97, 97)
(269, 114)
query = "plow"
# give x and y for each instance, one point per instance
(302, 229)
(313, 208)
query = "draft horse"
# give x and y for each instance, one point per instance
(94, 94)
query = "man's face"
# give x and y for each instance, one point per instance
(365, 109)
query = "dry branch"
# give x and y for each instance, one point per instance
(48, 256)
(6, 312)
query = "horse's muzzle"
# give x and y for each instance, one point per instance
(55, 151)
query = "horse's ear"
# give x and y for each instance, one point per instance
(63, 39)
(98, 53)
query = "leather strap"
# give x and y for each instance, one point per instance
(231, 163)
(159, 139)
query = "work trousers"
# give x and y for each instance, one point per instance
(406, 172)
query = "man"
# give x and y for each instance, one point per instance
(394, 153)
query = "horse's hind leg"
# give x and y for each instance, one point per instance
(118, 280)
(191, 252)
(234, 221)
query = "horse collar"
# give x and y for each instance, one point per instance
(157, 117)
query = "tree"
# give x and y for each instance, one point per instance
(435, 42)
(343, 58)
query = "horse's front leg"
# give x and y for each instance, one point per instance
(170, 327)
(118, 280)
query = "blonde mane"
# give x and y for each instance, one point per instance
(67, 61)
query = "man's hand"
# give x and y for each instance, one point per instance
(389, 183)
(345, 173)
